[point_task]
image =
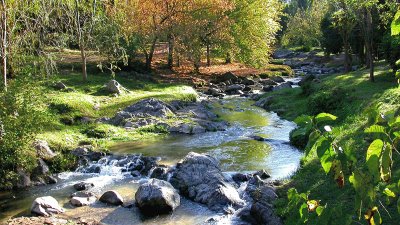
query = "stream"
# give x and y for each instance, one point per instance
(234, 148)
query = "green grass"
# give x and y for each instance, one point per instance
(359, 96)
(90, 100)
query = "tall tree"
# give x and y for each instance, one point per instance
(345, 21)
(4, 41)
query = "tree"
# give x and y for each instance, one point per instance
(345, 21)
(4, 41)
(253, 29)
(331, 41)
(303, 28)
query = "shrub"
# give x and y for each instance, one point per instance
(327, 101)
(22, 116)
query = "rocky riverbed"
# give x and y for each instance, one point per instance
(218, 184)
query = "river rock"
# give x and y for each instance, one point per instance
(83, 194)
(60, 86)
(199, 178)
(240, 177)
(112, 198)
(268, 88)
(24, 179)
(42, 168)
(82, 201)
(248, 81)
(114, 87)
(235, 87)
(46, 206)
(83, 186)
(43, 150)
(226, 77)
(268, 82)
(143, 109)
(262, 174)
(214, 92)
(277, 79)
(264, 214)
(160, 172)
(198, 129)
(157, 197)
(285, 85)
(264, 102)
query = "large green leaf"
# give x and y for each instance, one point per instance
(373, 155)
(325, 153)
(303, 120)
(386, 163)
(314, 136)
(396, 24)
(323, 117)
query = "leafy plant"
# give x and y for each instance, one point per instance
(370, 180)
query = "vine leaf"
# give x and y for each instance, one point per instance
(389, 193)
(386, 163)
(373, 217)
(325, 153)
(338, 173)
(373, 154)
(323, 117)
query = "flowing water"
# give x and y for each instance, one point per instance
(234, 148)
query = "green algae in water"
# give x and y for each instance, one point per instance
(242, 112)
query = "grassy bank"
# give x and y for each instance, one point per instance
(89, 100)
(352, 98)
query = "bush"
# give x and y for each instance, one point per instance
(63, 162)
(327, 101)
(22, 116)
(298, 139)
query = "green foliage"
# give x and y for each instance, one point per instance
(22, 116)
(331, 41)
(396, 25)
(369, 181)
(327, 101)
(304, 26)
(63, 161)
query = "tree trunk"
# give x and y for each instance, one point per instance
(84, 59)
(178, 60)
(4, 44)
(81, 42)
(149, 59)
(228, 59)
(369, 44)
(208, 56)
(347, 58)
(170, 51)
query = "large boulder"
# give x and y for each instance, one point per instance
(285, 85)
(264, 102)
(114, 87)
(43, 150)
(199, 178)
(46, 206)
(143, 109)
(157, 197)
(112, 198)
(228, 76)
